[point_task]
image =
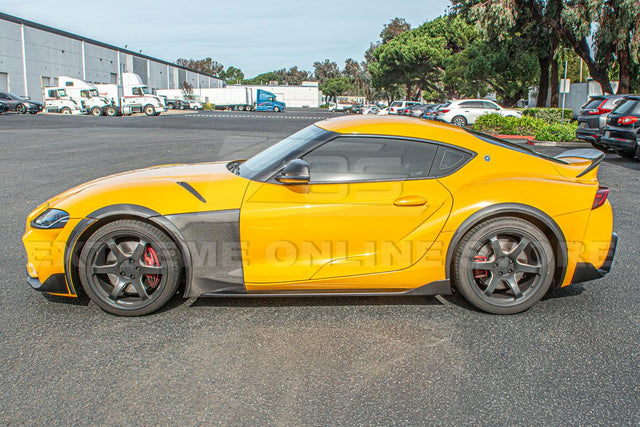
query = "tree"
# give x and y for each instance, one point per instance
(206, 65)
(393, 29)
(232, 75)
(326, 70)
(187, 89)
(336, 87)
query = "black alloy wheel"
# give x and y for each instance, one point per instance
(504, 265)
(21, 108)
(130, 268)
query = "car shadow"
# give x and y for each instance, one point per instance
(614, 159)
(313, 301)
(567, 291)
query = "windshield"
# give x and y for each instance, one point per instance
(93, 92)
(277, 155)
(146, 90)
(62, 92)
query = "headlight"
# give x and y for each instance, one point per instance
(51, 218)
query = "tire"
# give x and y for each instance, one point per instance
(149, 110)
(598, 146)
(21, 109)
(170, 106)
(130, 268)
(276, 109)
(517, 273)
(638, 149)
(96, 111)
(111, 111)
(459, 121)
(66, 111)
(624, 154)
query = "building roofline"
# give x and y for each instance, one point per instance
(27, 23)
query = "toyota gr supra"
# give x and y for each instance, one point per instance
(347, 206)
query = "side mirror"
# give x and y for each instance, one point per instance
(294, 172)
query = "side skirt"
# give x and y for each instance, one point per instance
(440, 287)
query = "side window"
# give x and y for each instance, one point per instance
(137, 91)
(352, 159)
(472, 104)
(489, 105)
(448, 160)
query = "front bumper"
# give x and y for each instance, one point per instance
(55, 284)
(585, 271)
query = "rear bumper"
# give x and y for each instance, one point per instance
(621, 138)
(591, 135)
(585, 271)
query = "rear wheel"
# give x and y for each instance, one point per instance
(624, 154)
(598, 146)
(459, 121)
(96, 111)
(111, 111)
(503, 265)
(21, 108)
(638, 148)
(130, 268)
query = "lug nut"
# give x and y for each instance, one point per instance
(499, 273)
(130, 260)
(122, 273)
(132, 277)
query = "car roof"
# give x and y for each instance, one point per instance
(406, 127)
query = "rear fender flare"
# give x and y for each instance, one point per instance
(522, 211)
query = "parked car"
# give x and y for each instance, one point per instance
(176, 104)
(399, 105)
(502, 246)
(384, 111)
(431, 113)
(418, 110)
(3, 107)
(623, 126)
(20, 105)
(370, 109)
(592, 118)
(194, 105)
(464, 112)
(356, 108)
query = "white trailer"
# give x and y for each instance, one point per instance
(228, 98)
(131, 97)
(56, 100)
(85, 94)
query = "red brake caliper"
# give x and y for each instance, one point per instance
(480, 274)
(150, 258)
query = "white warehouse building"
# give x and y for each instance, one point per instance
(32, 56)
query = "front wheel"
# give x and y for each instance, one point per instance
(22, 109)
(96, 111)
(130, 268)
(459, 121)
(149, 110)
(276, 109)
(66, 111)
(503, 265)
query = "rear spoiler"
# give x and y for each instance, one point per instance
(595, 156)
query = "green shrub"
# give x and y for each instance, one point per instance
(496, 124)
(557, 132)
(549, 115)
(208, 106)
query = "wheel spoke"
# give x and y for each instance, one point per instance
(142, 292)
(492, 285)
(105, 269)
(151, 269)
(519, 248)
(115, 249)
(482, 265)
(117, 290)
(139, 250)
(513, 284)
(495, 245)
(527, 268)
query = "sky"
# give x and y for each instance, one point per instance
(254, 35)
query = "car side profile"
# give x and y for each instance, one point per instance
(463, 112)
(356, 205)
(19, 104)
(397, 106)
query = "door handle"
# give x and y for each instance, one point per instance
(410, 201)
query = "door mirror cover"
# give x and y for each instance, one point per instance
(295, 172)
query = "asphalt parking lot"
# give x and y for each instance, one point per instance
(572, 359)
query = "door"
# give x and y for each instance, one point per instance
(472, 110)
(369, 208)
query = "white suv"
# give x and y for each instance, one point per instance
(399, 105)
(466, 111)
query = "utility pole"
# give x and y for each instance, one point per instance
(564, 86)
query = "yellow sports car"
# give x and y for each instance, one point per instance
(347, 206)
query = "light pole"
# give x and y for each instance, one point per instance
(564, 85)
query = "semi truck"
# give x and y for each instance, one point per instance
(131, 97)
(266, 101)
(86, 94)
(239, 98)
(57, 100)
